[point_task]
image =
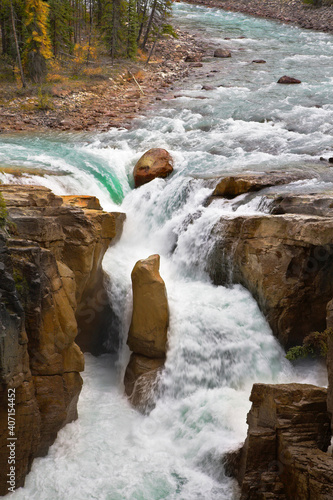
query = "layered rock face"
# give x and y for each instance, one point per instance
(284, 457)
(285, 259)
(147, 336)
(329, 360)
(50, 269)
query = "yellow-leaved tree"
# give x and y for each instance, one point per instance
(38, 45)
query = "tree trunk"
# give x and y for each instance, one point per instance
(149, 24)
(16, 44)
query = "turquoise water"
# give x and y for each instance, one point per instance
(219, 342)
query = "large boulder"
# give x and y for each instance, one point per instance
(222, 53)
(147, 336)
(154, 163)
(284, 457)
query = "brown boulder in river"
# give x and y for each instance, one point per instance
(154, 163)
(222, 53)
(288, 79)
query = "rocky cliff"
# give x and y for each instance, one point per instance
(284, 455)
(52, 296)
(285, 258)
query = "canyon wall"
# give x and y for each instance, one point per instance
(52, 296)
(285, 258)
(284, 456)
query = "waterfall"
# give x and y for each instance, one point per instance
(219, 342)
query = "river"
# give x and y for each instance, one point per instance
(219, 342)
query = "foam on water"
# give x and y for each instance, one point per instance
(219, 342)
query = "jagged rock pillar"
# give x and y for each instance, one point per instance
(147, 337)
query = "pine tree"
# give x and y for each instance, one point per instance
(132, 29)
(38, 45)
(61, 29)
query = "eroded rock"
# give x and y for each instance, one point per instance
(329, 361)
(232, 186)
(150, 319)
(147, 336)
(286, 261)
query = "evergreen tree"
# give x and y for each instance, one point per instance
(132, 29)
(61, 26)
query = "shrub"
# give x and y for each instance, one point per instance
(314, 344)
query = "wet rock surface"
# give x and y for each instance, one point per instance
(154, 163)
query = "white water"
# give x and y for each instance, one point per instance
(219, 342)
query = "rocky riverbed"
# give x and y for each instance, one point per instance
(106, 103)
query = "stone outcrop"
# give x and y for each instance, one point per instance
(284, 457)
(154, 163)
(310, 204)
(232, 186)
(284, 259)
(50, 265)
(147, 337)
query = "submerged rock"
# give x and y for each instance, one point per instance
(154, 163)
